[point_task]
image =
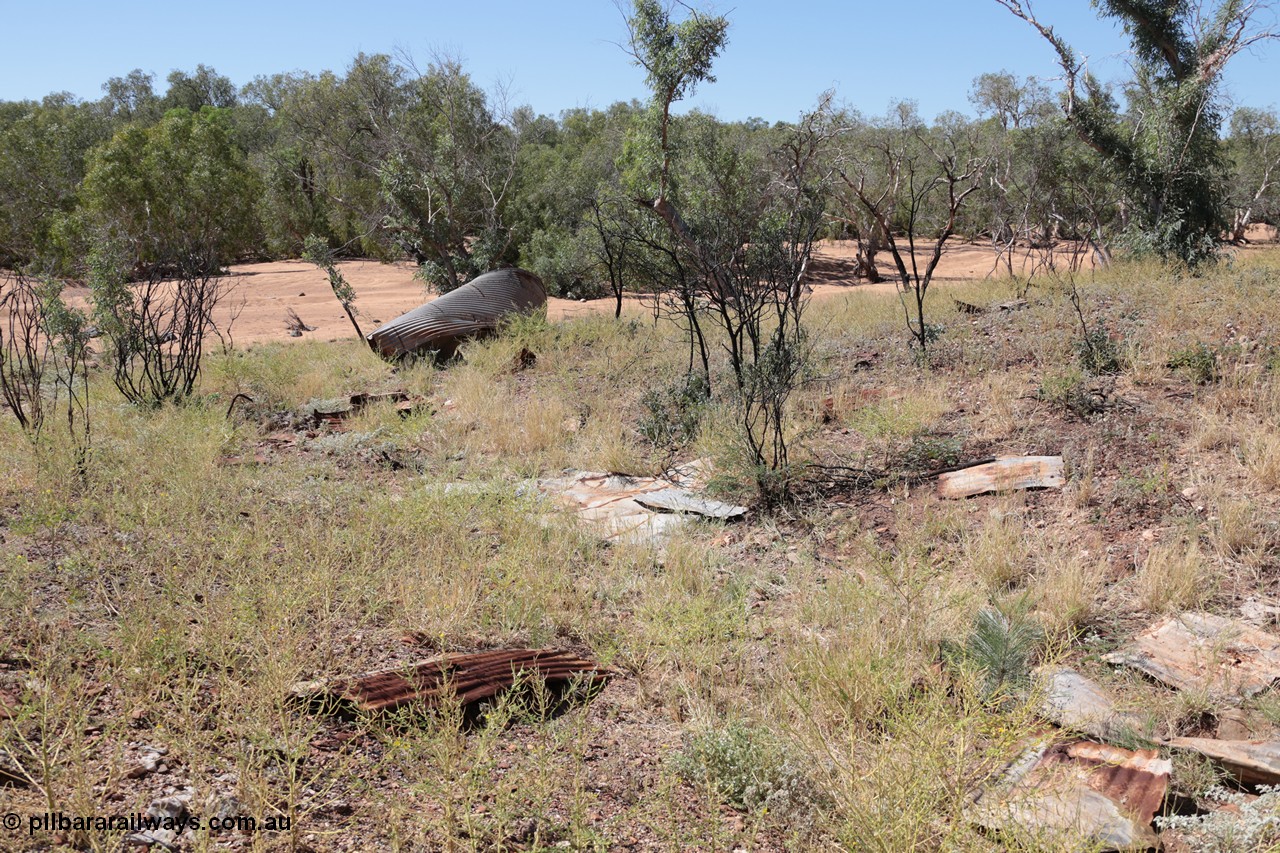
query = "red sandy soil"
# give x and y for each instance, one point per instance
(263, 293)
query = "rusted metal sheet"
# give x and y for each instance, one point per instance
(1253, 762)
(1079, 704)
(466, 679)
(1058, 793)
(970, 308)
(476, 308)
(405, 406)
(1204, 652)
(624, 507)
(1005, 474)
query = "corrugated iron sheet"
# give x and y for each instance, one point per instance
(1254, 762)
(1080, 788)
(467, 679)
(475, 308)
(1201, 651)
(1137, 779)
(1077, 703)
(633, 509)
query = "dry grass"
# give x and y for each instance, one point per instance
(173, 596)
(1173, 576)
(1067, 588)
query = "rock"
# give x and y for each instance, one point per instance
(146, 766)
(165, 838)
(173, 807)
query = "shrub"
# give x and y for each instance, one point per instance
(673, 413)
(1097, 352)
(1198, 362)
(746, 767)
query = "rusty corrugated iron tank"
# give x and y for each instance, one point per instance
(475, 309)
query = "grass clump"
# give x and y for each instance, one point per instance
(1173, 577)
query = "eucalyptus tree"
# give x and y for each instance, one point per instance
(1253, 149)
(1165, 150)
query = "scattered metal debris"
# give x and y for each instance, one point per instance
(1006, 473)
(468, 679)
(970, 308)
(1079, 704)
(1056, 791)
(624, 507)
(474, 309)
(405, 405)
(680, 500)
(1204, 652)
(1253, 762)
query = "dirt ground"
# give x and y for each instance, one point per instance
(265, 292)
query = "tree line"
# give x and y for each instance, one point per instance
(390, 160)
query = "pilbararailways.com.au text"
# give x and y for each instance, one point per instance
(139, 822)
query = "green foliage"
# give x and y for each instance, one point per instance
(1164, 151)
(316, 251)
(202, 88)
(1000, 649)
(1097, 352)
(1253, 150)
(43, 151)
(929, 452)
(566, 262)
(1069, 390)
(747, 768)
(673, 412)
(1198, 362)
(179, 194)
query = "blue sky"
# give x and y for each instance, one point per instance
(558, 54)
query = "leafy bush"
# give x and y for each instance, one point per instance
(1198, 362)
(1097, 352)
(673, 412)
(746, 767)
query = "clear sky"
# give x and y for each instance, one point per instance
(558, 54)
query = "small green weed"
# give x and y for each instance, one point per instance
(1197, 362)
